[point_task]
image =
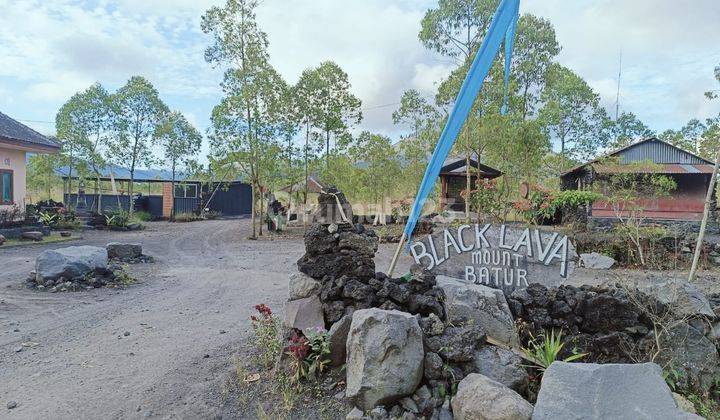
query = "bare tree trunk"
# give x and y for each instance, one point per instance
(467, 176)
(254, 208)
(706, 216)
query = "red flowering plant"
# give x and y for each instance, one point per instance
(310, 355)
(489, 198)
(265, 327)
(537, 206)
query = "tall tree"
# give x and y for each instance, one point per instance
(338, 109)
(86, 117)
(414, 112)
(137, 110)
(535, 49)
(239, 125)
(569, 112)
(627, 128)
(456, 27)
(307, 98)
(180, 141)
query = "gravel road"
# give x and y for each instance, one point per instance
(184, 319)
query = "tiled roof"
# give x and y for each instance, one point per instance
(13, 131)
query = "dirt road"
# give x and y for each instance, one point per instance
(184, 321)
(161, 348)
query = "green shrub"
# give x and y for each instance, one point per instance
(117, 219)
(142, 216)
(186, 217)
(545, 352)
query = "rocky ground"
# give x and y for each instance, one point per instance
(166, 346)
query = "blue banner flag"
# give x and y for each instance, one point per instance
(502, 28)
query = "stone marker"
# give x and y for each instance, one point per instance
(596, 261)
(608, 391)
(304, 313)
(500, 256)
(70, 262)
(123, 251)
(479, 397)
(484, 305)
(300, 286)
(385, 357)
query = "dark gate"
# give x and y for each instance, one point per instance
(231, 199)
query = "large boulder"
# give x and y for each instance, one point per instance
(70, 262)
(300, 286)
(457, 344)
(484, 305)
(680, 296)
(2, 239)
(689, 351)
(596, 261)
(123, 251)
(384, 357)
(304, 313)
(503, 366)
(609, 391)
(481, 398)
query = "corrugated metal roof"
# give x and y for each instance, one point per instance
(657, 151)
(667, 168)
(653, 150)
(15, 131)
(120, 173)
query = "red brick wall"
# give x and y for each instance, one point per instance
(167, 199)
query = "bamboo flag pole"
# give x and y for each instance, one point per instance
(393, 262)
(706, 216)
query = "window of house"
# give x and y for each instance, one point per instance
(6, 186)
(186, 191)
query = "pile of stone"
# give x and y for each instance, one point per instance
(84, 267)
(615, 324)
(409, 344)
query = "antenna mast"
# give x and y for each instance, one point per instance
(617, 97)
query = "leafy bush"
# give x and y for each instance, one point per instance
(211, 215)
(543, 204)
(48, 219)
(545, 352)
(142, 216)
(117, 219)
(11, 216)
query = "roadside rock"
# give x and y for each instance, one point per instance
(355, 414)
(617, 391)
(32, 235)
(485, 305)
(479, 397)
(329, 207)
(502, 366)
(596, 261)
(304, 313)
(337, 336)
(301, 285)
(385, 357)
(123, 251)
(70, 262)
(2, 240)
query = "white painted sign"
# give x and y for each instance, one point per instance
(504, 257)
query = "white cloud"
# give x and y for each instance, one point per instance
(53, 49)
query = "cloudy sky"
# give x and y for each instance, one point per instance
(52, 49)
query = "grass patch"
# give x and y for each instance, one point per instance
(51, 239)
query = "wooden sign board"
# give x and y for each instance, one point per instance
(500, 256)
